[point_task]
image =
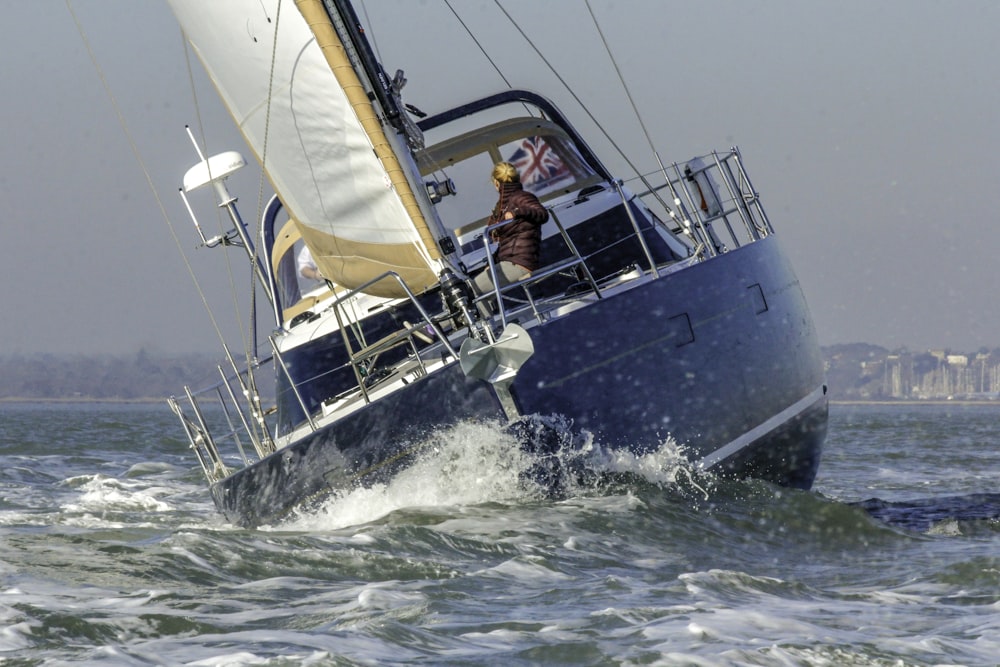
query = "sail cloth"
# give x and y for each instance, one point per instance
(336, 175)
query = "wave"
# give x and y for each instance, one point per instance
(937, 514)
(536, 459)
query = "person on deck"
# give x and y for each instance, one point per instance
(519, 241)
(308, 270)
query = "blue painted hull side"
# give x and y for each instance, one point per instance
(704, 356)
(707, 356)
(366, 447)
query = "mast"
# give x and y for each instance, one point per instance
(334, 50)
(366, 59)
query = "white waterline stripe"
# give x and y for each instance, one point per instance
(758, 431)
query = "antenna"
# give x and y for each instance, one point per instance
(214, 171)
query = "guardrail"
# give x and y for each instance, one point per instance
(705, 194)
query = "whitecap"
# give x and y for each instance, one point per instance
(470, 463)
(99, 493)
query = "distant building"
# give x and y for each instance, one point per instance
(937, 374)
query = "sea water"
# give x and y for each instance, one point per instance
(112, 553)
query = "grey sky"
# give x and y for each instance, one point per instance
(868, 127)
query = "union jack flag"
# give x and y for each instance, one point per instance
(538, 164)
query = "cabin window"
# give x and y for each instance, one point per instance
(305, 270)
(288, 291)
(292, 285)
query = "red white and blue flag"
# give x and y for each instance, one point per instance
(538, 164)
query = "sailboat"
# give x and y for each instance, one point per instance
(664, 308)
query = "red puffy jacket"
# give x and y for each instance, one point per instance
(520, 240)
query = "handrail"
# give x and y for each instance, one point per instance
(409, 294)
(638, 231)
(368, 351)
(726, 178)
(202, 434)
(535, 277)
(199, 428)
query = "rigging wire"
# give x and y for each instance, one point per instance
(479, 44)
(156, 194)
(254, 394)
(249, 346)
(251, 351)
(230, 273)
(635, 109)
(569, 89)
(642, 177)
(263, 158)
(621, 79)
(489, 59)
(587, 111)
(142, 165)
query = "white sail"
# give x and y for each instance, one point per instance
(357, 215)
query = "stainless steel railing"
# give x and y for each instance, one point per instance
(710, 200)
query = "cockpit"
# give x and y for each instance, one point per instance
(456, 173)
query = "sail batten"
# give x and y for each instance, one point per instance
(289, 83)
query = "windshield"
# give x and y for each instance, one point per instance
(547, 160)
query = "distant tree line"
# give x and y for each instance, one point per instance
(103, 377)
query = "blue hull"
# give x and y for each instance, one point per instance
(722, 357)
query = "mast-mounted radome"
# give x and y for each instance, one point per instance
(214, 171)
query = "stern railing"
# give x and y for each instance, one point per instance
(712, 202)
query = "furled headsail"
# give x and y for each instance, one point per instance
(282, 71)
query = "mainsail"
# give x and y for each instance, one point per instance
(321, 147)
